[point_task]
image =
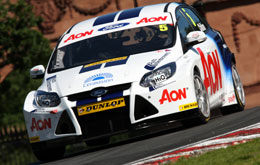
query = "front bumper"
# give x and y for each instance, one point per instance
(141, 105)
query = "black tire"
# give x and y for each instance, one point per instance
(202, 99)
(50, 153)
(239, 90)
(98, 142)
(203, 112)
(239, 93)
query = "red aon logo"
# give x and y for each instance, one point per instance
(173, 95)
(40, 124)
(210, 66)
(79, 35)
(152, 19)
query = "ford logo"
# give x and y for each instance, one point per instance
(98, 92)
(115, 26)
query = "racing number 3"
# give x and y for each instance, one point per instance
(213, 62)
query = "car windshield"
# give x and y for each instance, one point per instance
(112, 45)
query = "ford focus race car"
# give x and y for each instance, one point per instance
(123, 71)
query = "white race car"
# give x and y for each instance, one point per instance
(127, 70)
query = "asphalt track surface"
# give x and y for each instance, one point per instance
(138, 148)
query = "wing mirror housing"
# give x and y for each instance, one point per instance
(37, 72)
(195, 37)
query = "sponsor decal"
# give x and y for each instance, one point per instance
(109, 62)
(159, 77)
(210, 65)
(163, 27)
(201, 27)
(50, 80)
(232, 98)
(152, 64)
(79, 35)
(40, 124)
(174, 95)
(98, 79)
(115, 26)
(151, 19)
(188, 106)
(106, 61)
(101, 106)
(34, 139)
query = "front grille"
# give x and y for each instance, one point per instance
(111, 90)
(105, 122)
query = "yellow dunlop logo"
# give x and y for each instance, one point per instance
(188, 106)
(105, 61)
(34, 139)
(101, 106)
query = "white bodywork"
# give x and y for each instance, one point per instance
(168, 98)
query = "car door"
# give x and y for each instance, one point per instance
(211, 60)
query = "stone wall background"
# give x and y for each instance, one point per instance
(237, 20)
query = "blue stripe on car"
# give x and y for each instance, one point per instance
(151, 89)
(86, 69)
(86, 101)
(105, 19)
(113, 63)
(224, 54)
(149, 67)
(51, 77)
(112, 96)
(130, 13)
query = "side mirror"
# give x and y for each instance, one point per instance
(196, 36)
(37, 72)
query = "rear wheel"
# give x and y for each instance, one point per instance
(202, 99)
(239, 93)
(239, 90)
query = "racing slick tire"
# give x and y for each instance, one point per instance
(239, 93)
(239, 90)
(202, 99)
(50, 153)
(203, 110)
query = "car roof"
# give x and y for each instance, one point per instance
(125, 15)
(121, 20)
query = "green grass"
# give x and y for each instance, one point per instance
(242, 154)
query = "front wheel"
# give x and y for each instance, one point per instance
(202, 99)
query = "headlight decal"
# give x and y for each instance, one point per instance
(151, 65)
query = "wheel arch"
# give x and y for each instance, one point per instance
(233, 59)
(196, 70)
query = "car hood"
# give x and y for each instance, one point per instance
(107, 73)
